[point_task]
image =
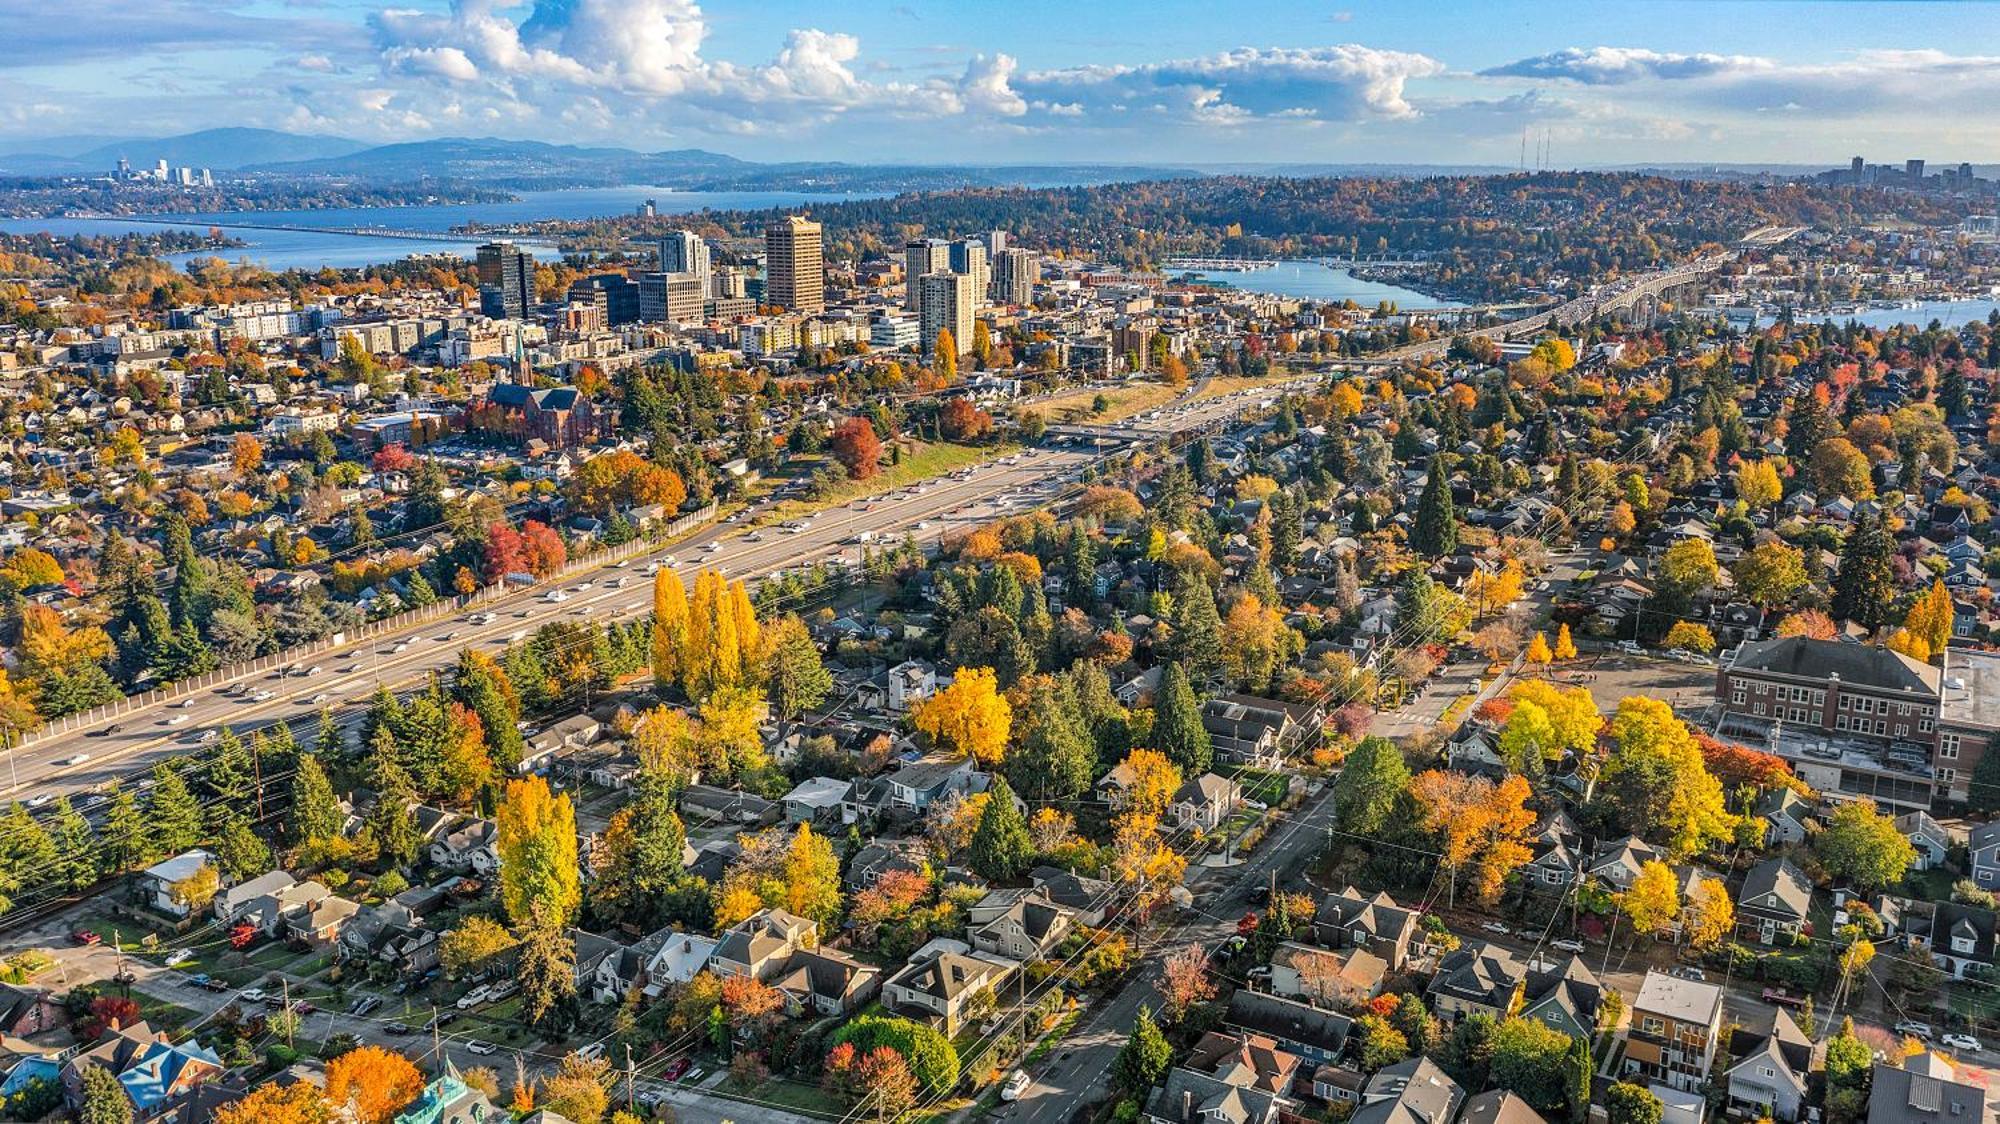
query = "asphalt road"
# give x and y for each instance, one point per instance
(344, 679)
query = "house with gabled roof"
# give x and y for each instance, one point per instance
(1773, 903)
(761, 944)
(1376, 923)
(1770, 1070)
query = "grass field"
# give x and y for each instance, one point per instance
(1218, 387)
(1124, 401)
(920, 462)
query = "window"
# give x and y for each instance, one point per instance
(1946, 776)
(1736, 695)
(1840, 723)
(1758, 709)
(1819, 698)
(1651, 1025)
(1948, 747)
(1925, 725)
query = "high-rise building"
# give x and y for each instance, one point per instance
(945, 303)
(648, 209)
(922, 256)
(794, 275)
(614, 291)
(996, 241)
(684, 251)
(1913, 169)
(506, 280)
(968, 256)
(1857, 165)
(678, 297)
(1014, 275)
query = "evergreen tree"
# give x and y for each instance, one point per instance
(104, 1098)
(421, 593)
(390, 822)
(1056, 758)
(315, 814)
(173, 816)
(1000, 848)
(546, 969)
(1435, 532)
(242, 853)
(1197, 635)
(231, 775)
(123, 834)
(1177, 728)
(796, 674)
(1370, 786)
(1580, 1068)
(641, 857)
(1143, 1062)
(75, 847)
(1864, 589)
(1287, 528)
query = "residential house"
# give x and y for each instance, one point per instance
(1770, 1071)
(1205, 802)
(391, 934)
(910, 683)
(1959, 938)
(1564, 997)
(1189, 1096)
(880, 856)
(1317, 1037)
(1248, 1060)
(162, 886)
(1499, 1106)
(1788, 818)
(1412, 1091)
(1984, 845)
(467, 845)
(1773, 903)
(1327, 977)
(156, 1074)
(1085, 898)
(1925, 1089)
(944, 982)
(761, 944)
(1378, 924)
(29, 1010)
(708, 804)
(1927, 836)
(1477, 978)
(1674, 1028)
(677, 960)
(915, 786)
(1257, 732)
(827, 982)
(1617, 864)
(233, 903)
(816, 800)
(449, 1100)
(1031, 927)
(320, 922)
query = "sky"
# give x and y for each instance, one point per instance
(1006, 81)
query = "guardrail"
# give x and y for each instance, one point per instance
(438, 610)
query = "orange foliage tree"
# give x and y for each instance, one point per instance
(375, 1081)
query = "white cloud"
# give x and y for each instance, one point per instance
(1348, 82)
(1612, 66)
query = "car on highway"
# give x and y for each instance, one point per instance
(555, 597)
(479, 1046)
(480, 618)
(444, 637)
(1964, 1042)
(184, 703)
(319, 698)
(39, 799)
(1567, 945)
(1913, 1028)
(175, 720)
(401, 646)
(581, 586)
(263, 696)
(110, 730)
(74, 759)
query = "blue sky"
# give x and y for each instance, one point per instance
(985, 80)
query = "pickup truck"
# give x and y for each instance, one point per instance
(1783, 998)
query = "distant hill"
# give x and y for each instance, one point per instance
(216, 148)
(494, 159)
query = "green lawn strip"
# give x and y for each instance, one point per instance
(920, 463)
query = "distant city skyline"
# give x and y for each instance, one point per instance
(1034, 80)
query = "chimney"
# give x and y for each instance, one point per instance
(1187, 1104)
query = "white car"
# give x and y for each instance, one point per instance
(480, 1047)
(401, 646)
(208, 736)
(1964, 1042)
(319, 698)
(1913, 1028)
(177, 719)
(1567, 945)
(184, 703)
(472, 998)
(74, 759)
(178, 957)
(39, 799)
(1017, 1083)
(252, 994)
(556, 597)
(1496, 927)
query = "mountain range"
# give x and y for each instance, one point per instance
(219, 149)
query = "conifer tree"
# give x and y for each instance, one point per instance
(1436, 530)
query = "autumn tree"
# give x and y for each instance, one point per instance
(1810, 623)
(373, 1083)
(1653, 902)
(300, 1102)
(538, 852)
(1711, 916)
(670, 626)
(472, 945)
(1150, 781)
(1931, 617)
(1770, 573)
(970, 716)
(857, 448)
(1864, 846)
(1184, 981)
(1477, 824)
(1690, 636)
(1565, 648)
(1538, 653)
(1656, 779)
(1757, 484)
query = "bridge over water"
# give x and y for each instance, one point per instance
(308, 228)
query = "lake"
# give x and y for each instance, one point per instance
(294, 249)
(1310, 280)
(1951, 314)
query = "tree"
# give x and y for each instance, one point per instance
(969, 717)
(298, 1103)
(1757, 484)
(1370, 786)
(173, 815)
(246, 455)
(960, 420)
(1151, 781)
(670, 626)
(1687, 570)
(104, 1099)
(1931, 617)
(1538, 652)
(1531, 1058)
(1770, 573)
(1690, 636)
(797, 676)
(1653, 902)
(1185, 982)
(537, 847)
(1710, 916)
(1656, 778)
(1865, 587)
(1808, 622)
(472, 944)
(1565, 648)
(1476, 823)
(577, 1091)
(1381, 1043)
(1056, 757)
(1177, 727)
(546, 969)
(1862, 845)
(1143, 1061)
(857, 448)
(1000, 847)
(1626, 1103)
(373, 1082)
(931, 1055)
(315, 815)
(1435, 532)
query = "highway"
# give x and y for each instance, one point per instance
(344, 679)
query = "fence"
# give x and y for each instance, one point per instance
(407, 619)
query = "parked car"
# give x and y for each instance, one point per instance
(472, 998)
(1913, 1028)
(1017, 1083)
(1567, 945)
(675, 1068)
(1686, 973)
(178, 957)
(86, 937)
(397, 1030)
(1964, 1042)
(252, 995)
(1496, 928)
(480, 1046)
(366, 1004)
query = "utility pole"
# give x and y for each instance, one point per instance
(629, 1101)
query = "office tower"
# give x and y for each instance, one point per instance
(922, 256)
(1913, 169)
(506, 280)
(684, 251)
(996, 241)
(1014, 275)
(648, 209)
(794, 277)
(124, 168)
(207, 178)
(1965, 171)
(968, 256)
(729, 283)
(1857, 165)
(160, 171)
(681, 298)
(615, 291)
(945, 304)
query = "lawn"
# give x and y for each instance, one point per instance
(1122, 402)
(1261, 785)
(921, 462)
(795, 1095)
(1933, 885)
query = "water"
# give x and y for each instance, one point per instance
(1951, 314)
(290, 249)
(1313, 281)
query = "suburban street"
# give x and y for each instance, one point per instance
(343, 680)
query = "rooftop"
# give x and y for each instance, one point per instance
(1971, 688)
(1675, 998)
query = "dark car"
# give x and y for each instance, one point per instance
(399, 1029)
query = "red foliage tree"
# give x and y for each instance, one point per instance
(505, 552)
(394, 458)
(856, 446)
(109, 1012)
(1735, 765)
(542, 549)
(960, 420)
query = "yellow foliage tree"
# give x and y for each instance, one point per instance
(971, 716)
(537, 846)
(1653, 902)
(1710, 915)
(1930, 617)
(1909, 643)
(1538, 650)
(1757, 484)
(1691, 636)
(1152, 780)
(670, 626)
(1565, 647)
(374, 1082)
